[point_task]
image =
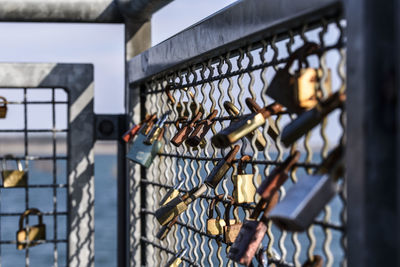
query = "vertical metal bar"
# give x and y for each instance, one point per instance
(54, 176)
(143, 195)
(26, 156)
(373, 224)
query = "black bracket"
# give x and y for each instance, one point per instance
(110, 126)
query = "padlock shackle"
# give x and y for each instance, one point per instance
(252, 105)
(213, 205)
(179, 120)
(332, 162)
(243, 161)
(11, 157)
(228, 210)
(161, 135)
(171, 97)
(231, 108)
(270, 110)
(231, 155)
(301, 53)
(31, 211)
(4, 102)
(212, 115)
(146, 126)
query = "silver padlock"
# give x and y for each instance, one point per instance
(305, 200)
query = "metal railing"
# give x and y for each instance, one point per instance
(233, 62)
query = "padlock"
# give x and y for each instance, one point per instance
(201, 129)
(3, 107)
(243, 186)
(215, 226)
(145, 154)
(13, 178)
(305, 200)
(156, 130)
(30, 235)
(177, 259)
(234, 111)
(244, 126)
(231, 230)
(183, 110)
(172, 193)
(131, 133)
(185, 130)
(252, 232)
(277, 177)
(219, 171)
(316, 261)
(311, 118)
(165, 229)
(176, 206)
(298, 91)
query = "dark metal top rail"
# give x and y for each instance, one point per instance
(242, 23)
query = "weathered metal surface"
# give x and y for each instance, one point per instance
(233, 27)
(77, 79)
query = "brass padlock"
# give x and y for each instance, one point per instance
(252, 232)
(177, 259)
(231, 230)
(311, 118)
(215, 226)
(305, 200)
(234, 111)
(316, 261)
(157, 129)
(3, 107)
(201, 129)
(14, 178)
(219, 171)
(172, 193)
(131, 133)
(244, 189)
(144, 154)
(165, 229)
(244, 126)
(185, 130)
(277, 177)
(183, 109)
(30, 235)
(176, 206)
(298, 91)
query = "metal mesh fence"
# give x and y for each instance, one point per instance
(233, 76)
(35, 132)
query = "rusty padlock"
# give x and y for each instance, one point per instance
(176, 206)
(311, 118)
(244, 126)
(172, 193)
(3, 107)
(219, 171)
(165, 229)
(252, 232)
(177, 259)
(185, 130)
(231, 230)
(298, 91)
(201, 129)
(316, 261)
(131, 133)
(244, 189)
(12, 177)
(156, 130)
(28, 236)
(305, 200)
(183, 109)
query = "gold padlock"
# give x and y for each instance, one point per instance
(231, 230)
(298, 92)
(183, 109)
(172, 193)
(3, 107)
(177, 259)
(215, 226)
(30, 235)
(13, 178)
(243, 186)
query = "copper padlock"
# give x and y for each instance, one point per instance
(244, 189)
(172, 193)
(183, 109)
(30, 235)
(219, 171)
(3, 107)
(316, 261)
(234, 111)
(306, 199)
(14, 178)
(311, 118)
(131, 133)
(201, 129)
(176, 206)
(185, 130)
(231, 230)
(165, 229)
(156, 130)
(177, 259)
(215, 226)
(298, 91)
(252, 232)
(244, 126)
